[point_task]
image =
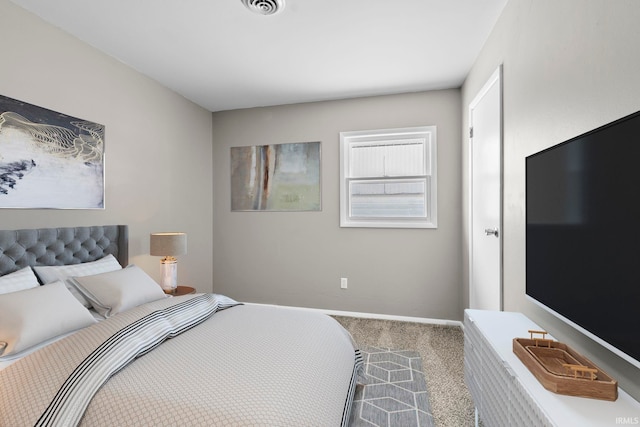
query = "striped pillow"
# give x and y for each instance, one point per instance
(18, 281)
(49, 274)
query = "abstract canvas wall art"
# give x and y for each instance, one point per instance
(278, 177)
(49, 159)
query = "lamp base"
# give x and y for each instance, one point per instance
(169, 274)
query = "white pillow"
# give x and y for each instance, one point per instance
(116, 291)
(49, 274)
(18, 281)
(32, 316)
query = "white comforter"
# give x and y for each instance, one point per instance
(243, 366)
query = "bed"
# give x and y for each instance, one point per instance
(92, 342)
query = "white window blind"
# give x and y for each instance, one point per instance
(388, 158)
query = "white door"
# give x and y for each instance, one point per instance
(485, 270)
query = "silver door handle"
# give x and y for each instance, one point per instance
(490, 231)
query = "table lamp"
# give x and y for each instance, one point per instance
(168, 245)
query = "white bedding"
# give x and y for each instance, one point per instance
(9, 360)
(246, 365)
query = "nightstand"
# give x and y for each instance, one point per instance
(183, 290)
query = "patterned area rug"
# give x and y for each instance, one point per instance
(392, 392)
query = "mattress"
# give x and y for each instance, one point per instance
(243, 365)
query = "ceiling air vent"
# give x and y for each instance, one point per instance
(264, 7)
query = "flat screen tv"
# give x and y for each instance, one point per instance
(583, 233)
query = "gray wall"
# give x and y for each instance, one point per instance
(298, 258)
(569, 66)
(158, 144)
(160, 175)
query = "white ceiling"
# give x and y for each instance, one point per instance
(222, 56)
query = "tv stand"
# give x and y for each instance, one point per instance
(506, 393)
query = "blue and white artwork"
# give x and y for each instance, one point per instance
(49, 159)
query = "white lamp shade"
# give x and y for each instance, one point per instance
(168, 244)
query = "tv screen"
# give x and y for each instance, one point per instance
(583, 233)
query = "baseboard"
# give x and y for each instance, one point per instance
(371, 315)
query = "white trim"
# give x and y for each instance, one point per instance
(496, 76)
(425, 320)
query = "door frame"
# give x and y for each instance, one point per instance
(496, 77)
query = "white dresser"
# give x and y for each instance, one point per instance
(507, 394)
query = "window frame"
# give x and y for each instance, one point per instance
(353, 138)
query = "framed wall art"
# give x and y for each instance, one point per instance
(49, 159)
(278, 177)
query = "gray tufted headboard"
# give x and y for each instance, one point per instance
(62, 246)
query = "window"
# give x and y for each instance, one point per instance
(388, 178)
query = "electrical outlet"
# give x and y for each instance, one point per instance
(343, 283)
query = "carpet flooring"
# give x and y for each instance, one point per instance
(392, 390)
(441, 349)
